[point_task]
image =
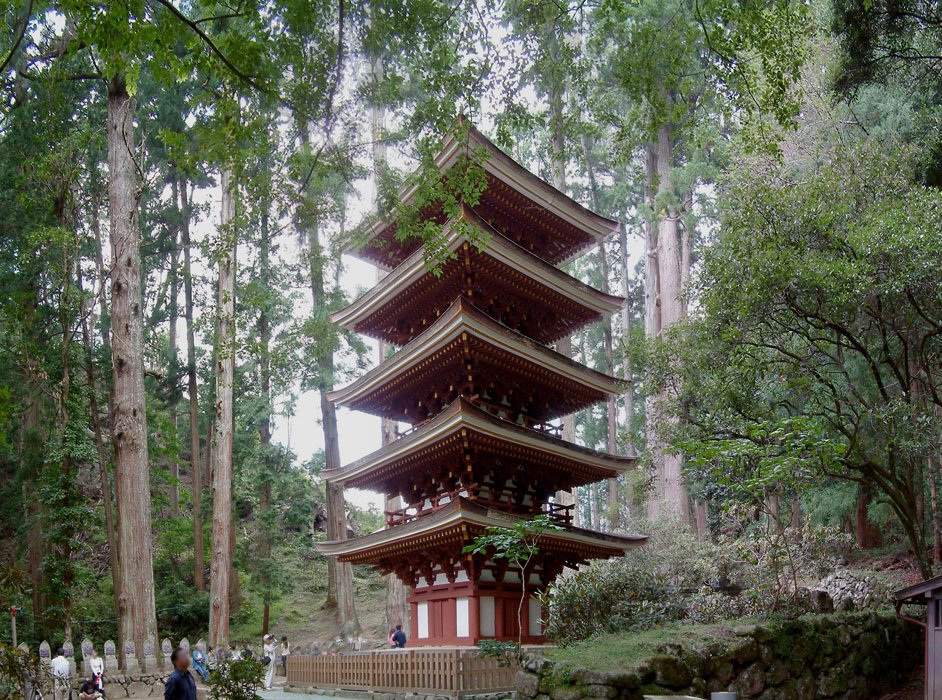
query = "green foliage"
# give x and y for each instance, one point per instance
(236, 680)
(518, 543)
(676, 576)
(818, 297)
(182, 611)
(507, 653)
(18, 671)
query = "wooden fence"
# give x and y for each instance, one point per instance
(441, 671)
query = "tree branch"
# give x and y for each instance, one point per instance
(211, 45)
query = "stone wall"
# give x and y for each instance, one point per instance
(849, 656)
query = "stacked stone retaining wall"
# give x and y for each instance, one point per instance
(852, 656)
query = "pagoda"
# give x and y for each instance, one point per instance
(477, 380)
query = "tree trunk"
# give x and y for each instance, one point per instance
(607, 341)
(31, 451)
(106, 487)
(558, 177)
(173, 287)
(264, 428)
(867, 535)
(221, 561)
(664, 306)
(933, 469)
(137, 618)
(196, 472)
(397, 608)
(702, 519)
(612, 407)
(341, 596)
(95, 418)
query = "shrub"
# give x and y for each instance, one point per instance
(18, 670)
(236, 680)
(676, 576)
(609, 597)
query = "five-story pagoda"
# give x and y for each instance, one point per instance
(476, 379)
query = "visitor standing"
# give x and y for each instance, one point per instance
(389, 637)
(268, 656)
(96, 665)
(399, 638)
(61, 676)
(285, 652)
(234, 653)
(180, 685)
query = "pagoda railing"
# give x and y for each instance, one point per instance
(452, 672)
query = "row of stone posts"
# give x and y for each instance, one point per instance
(149, 661)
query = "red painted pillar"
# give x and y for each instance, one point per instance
(474, 618)
(450, 614)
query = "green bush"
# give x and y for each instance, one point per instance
(675, 576)
(236, 680)
(183, 611)
(610, 597)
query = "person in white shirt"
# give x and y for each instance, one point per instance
(61, 676)
(268, 650)
(96, 665)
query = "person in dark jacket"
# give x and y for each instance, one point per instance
(180, 685)
(399, 638)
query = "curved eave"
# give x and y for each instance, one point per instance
(415, 267)
(462, 317)
(513, 174)
(461, 513)
(463, 415)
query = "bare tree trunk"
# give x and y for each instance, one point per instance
(30, 448)
(866, 534)
(397, 609)
(796, 512)
(558, 176)
(137, 618)
(702, 520)
(339, 574)
(608, 344)
(95, 419)
(196, 472)
(933, 469)
(107, 496)
(221, 561)
(341, 595)
(173, 285)
(664, 306)
(264, 428)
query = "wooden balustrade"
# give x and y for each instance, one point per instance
(445, 671)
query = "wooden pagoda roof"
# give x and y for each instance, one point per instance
(445, 438)
(523, 207)
(456, 525)
(467, 353)
(505, 281)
